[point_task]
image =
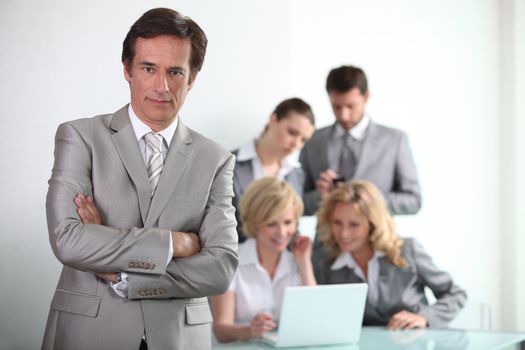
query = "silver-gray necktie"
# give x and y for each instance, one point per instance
(347, 158)
(154, 142)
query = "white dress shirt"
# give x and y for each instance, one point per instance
(248, 152)
(254, 290)
(345, 259)
(141, 129)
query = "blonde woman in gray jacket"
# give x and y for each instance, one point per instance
(359, 244)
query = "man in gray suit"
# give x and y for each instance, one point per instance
(357, 148)
(139, 266)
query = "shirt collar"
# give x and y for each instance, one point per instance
(247, 151)
(358, 131)
(289, 163)
(248, 256)
(345, 259)
(142, 129)
(248, 253)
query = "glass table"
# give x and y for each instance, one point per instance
(379, 338)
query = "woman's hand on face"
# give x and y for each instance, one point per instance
(260, 324)
(301, 248)
(406, 320)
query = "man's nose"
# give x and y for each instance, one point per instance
(161, 83)
(346, 113)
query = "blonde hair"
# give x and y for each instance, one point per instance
(367, 198)
(264, 200)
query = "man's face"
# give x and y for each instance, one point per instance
(159, 79)
(348, 106)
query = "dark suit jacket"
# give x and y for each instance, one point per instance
(243, 176)
(385, 160)
(100, 157)
(401, 288)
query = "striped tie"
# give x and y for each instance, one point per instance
(154, 142)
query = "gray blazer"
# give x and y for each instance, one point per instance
(385, 160)
(243, 176)
(100, 157)
(402, 288)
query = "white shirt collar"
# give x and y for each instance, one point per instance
(248, 256)
(247, 151)
(358, 131)
(289, 163)
(142, 129)
(345, 259)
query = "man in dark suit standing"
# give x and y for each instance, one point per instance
(357, 148)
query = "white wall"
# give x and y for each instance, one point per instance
(433, 68)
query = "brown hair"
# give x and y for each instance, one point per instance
(367, 198)
(345, 78)
(264, 200)
(293, 104)
(163, 21)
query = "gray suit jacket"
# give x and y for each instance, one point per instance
(385, 160)
(100, 157)
(243, 176)
(402, 288)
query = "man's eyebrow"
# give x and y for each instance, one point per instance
(150, 64)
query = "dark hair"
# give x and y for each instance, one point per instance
(345, 78)
(163, 21)
(294, 104)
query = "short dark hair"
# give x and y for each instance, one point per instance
(164, 21)
(345, 78)
(294, 104)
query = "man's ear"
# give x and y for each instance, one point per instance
(273, 119)
(191, 81)
(127, 71)
(367, 95)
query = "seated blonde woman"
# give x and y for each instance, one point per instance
(270, 209)
(360, 245)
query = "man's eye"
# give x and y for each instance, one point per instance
(175, 73)
(148, 69)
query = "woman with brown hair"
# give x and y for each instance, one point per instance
(360, 244)
(274, 152)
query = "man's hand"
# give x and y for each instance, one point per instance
(185, 244)
(87, 210)
(325, 182)
(107, 276)
(406, 320)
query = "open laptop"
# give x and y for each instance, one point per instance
(320, 315)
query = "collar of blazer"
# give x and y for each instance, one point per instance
(179, 152)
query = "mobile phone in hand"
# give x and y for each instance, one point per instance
(338, 181)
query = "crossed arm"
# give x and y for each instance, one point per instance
(184, 244)
(104, 249)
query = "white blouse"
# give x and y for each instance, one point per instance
(254, 290)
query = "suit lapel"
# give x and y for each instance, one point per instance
(179, 153)
(321, 151)
(128, 148)
(367, 150)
